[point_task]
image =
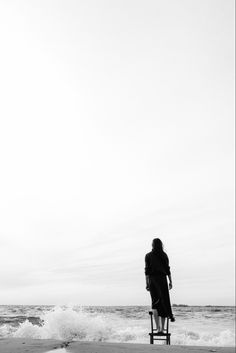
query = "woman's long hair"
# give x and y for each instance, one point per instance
(157, 246)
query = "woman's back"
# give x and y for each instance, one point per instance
(157, 262)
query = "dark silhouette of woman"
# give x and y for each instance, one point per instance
(157, 270)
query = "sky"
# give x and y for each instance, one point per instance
(116, 127)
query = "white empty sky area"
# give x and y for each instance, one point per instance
(117, 126)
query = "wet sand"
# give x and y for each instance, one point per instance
(20, 345)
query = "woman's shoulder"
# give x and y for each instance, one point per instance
(165, 257)
(148, 254)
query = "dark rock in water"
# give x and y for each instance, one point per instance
(65, 344)
(180, 305)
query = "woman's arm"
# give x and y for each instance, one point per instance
(170, 281)
(147, 283)
(147, 271)
(168, 271)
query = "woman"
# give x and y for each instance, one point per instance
(157, 270)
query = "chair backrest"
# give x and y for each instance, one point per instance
(151, 316)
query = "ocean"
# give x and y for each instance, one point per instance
(195, 325)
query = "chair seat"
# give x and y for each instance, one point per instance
(159, 334)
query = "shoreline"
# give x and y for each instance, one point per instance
(23, 345)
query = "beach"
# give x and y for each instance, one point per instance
(20, 345)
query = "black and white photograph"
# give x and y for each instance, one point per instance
(117, 176)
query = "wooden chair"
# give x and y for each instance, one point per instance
(157, 337)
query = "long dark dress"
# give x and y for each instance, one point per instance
(157, 268)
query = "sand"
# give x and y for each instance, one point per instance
(20, 345)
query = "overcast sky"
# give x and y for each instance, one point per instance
(116, 126)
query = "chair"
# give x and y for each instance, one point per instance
(157, 337)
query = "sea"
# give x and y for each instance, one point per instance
(194, 325)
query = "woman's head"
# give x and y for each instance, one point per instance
(157, 245)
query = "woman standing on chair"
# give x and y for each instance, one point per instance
(157, 270)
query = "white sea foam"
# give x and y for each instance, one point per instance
(6, 330)
(60, 350)
(70, 324)
(67, 324)
(192, 338)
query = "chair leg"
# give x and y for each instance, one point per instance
(151, 339)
